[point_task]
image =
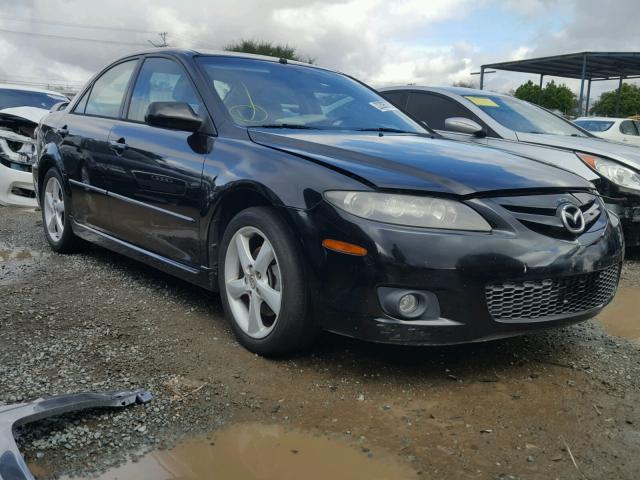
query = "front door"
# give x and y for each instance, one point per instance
(155, 179)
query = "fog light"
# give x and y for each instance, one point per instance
(408, 304)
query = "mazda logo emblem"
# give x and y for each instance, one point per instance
(572, 218)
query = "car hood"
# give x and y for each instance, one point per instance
(33, 114)
(418, 162)
(626, 154)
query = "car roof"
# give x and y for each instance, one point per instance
(221, 53)
(462, 91)
(26, 88)
(602, 119)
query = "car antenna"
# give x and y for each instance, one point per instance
(283, 61)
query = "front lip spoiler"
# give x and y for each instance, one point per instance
(12, 465)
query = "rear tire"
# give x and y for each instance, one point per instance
(55, 214)
(262, 284)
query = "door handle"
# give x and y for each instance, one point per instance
(63, 131)
(118, 145)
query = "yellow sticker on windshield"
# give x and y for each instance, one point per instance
(482, 101)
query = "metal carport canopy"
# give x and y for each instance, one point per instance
(589, 66)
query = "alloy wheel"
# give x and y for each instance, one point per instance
(54, 209)
(253, 282)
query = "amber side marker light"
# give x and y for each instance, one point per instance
(344, 247)
(588, 159)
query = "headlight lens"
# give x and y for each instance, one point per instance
(618, 174)
(427, 212)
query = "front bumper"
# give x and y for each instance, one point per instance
(457, 267)
(16, 184)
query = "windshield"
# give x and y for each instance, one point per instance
(522, 116)
(24, 98)
(594, 125)
(263, 93)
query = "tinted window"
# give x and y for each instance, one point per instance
(399, 99)
(21, 98)
(594, 125)
(628, 128)
(257, 92)
(522, 116)
(435, 109)
(161, 80)
(108, 91)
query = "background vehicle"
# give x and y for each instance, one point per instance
(504, 122)
(616, 129)
(311, 202)
(21, 108)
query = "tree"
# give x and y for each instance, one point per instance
(261, 47)
(629, 102)
(553, 96)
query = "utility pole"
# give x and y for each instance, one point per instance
(163, 38)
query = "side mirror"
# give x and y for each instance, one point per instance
(173, 115)
(464, 125)
(59, 106)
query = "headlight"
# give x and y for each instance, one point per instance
(618, 174)
(427, 212)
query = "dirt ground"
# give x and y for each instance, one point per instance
(562, 404)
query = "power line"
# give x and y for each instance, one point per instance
(163, 37)
(76, 25)
(64, 37)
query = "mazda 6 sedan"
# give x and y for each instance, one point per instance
(310, 202)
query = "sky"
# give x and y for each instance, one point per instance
(434, 42)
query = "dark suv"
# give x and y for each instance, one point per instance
(312, 203)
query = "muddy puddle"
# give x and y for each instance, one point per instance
(263, 452)
(622, 317)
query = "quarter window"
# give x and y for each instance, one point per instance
(161, 80)
(108, 91)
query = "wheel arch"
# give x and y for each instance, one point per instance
(235, 199)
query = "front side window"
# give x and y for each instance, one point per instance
(628, 128)
(523, 117)
(161, 80)
(259, 93)
(594, 125)
(434, 109)
(108, 91)
(23, 98)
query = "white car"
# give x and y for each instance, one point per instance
(21, 109)
(616, 129)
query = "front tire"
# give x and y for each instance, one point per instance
(262, 284)
(55, 218)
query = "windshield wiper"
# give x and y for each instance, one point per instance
(283, 125)
(384, 129)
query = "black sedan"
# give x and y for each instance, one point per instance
(311, 203)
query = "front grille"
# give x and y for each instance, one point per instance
(540, 212)
(539, 299)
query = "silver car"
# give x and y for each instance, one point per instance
(504, 122)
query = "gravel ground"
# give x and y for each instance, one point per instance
(561, 404)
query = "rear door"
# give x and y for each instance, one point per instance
(84, 147)
(155, 177)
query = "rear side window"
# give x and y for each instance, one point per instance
(82, 104)
(628, 128)
(161, 80)
(108, 91)
(435, 109)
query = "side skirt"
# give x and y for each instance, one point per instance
(201, 276)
